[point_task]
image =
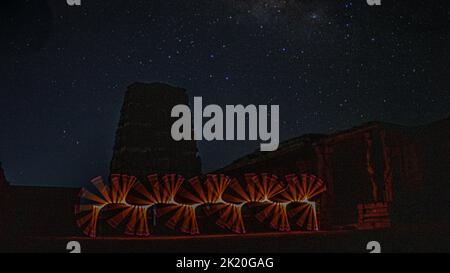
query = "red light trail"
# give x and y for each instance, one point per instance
(127, 201)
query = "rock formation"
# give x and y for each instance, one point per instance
(143, 141)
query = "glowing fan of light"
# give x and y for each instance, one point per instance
(92, 203)
(127, 202)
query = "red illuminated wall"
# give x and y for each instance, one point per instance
(401, 170)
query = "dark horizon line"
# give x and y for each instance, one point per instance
(56, 186)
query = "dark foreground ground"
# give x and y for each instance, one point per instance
(406, 239)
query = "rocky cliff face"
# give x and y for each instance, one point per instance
(375, 166)
(3, 182)
(3, 189)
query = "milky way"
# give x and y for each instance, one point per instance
(330, 65)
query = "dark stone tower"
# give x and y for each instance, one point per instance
(144, 144)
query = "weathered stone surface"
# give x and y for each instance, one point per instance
(405, 168)
(3, 193)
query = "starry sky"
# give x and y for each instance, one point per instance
(330, 65)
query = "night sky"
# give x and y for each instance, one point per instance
(330, 65)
